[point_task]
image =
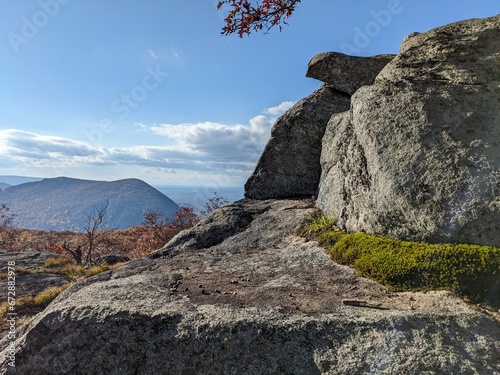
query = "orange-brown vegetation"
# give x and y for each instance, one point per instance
(135, 242)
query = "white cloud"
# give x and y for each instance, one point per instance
(205, 147)
(35, 146)
(280, 109)
(234, 141)
(216, 142)
(221, 142)
(152, 53)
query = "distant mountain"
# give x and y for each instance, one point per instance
(61, 203)
(3, 186)
(197, 196)
(17, 180)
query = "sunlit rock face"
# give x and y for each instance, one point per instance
(417, 156)
(290, 164)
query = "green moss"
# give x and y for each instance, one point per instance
(471, 271)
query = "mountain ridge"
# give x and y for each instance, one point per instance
(17, 180)
(61, 203)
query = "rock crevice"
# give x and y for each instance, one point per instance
(290, 164)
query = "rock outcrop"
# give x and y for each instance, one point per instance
(417, 155)
(346, 73)
(257, 300)
(290, 164)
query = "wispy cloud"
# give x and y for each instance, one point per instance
(152, 53)
(279, 109)
(18, 143)
(205, 147)
(174, 54)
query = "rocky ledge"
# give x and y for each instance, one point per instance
(242, 293)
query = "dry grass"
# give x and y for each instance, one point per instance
(27, 304)
(48, 295)
(56, 262)
(75, 272)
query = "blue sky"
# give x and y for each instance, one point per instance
(150, 89)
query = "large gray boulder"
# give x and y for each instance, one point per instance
(417, 155)
(289, 165)
(257, 299)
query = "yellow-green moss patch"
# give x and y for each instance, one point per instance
(471, 271)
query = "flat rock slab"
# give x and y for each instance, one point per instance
(256, 300)
(25, 260)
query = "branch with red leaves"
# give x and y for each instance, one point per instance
(245, 16)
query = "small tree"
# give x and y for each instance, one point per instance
(246, 16)
(82, 247)
(217, 201)
(95, 229)
(7, 234)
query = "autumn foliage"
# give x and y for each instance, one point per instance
(246, 16)
(156, 229)
(97, 240)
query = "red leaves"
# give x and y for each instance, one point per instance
(157, 231)
(244, 18)
(56, 249)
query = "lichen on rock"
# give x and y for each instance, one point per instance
(416, 156)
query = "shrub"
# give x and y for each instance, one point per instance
(471, 271)
(215, 202)
(320, 223)
(157, 230)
